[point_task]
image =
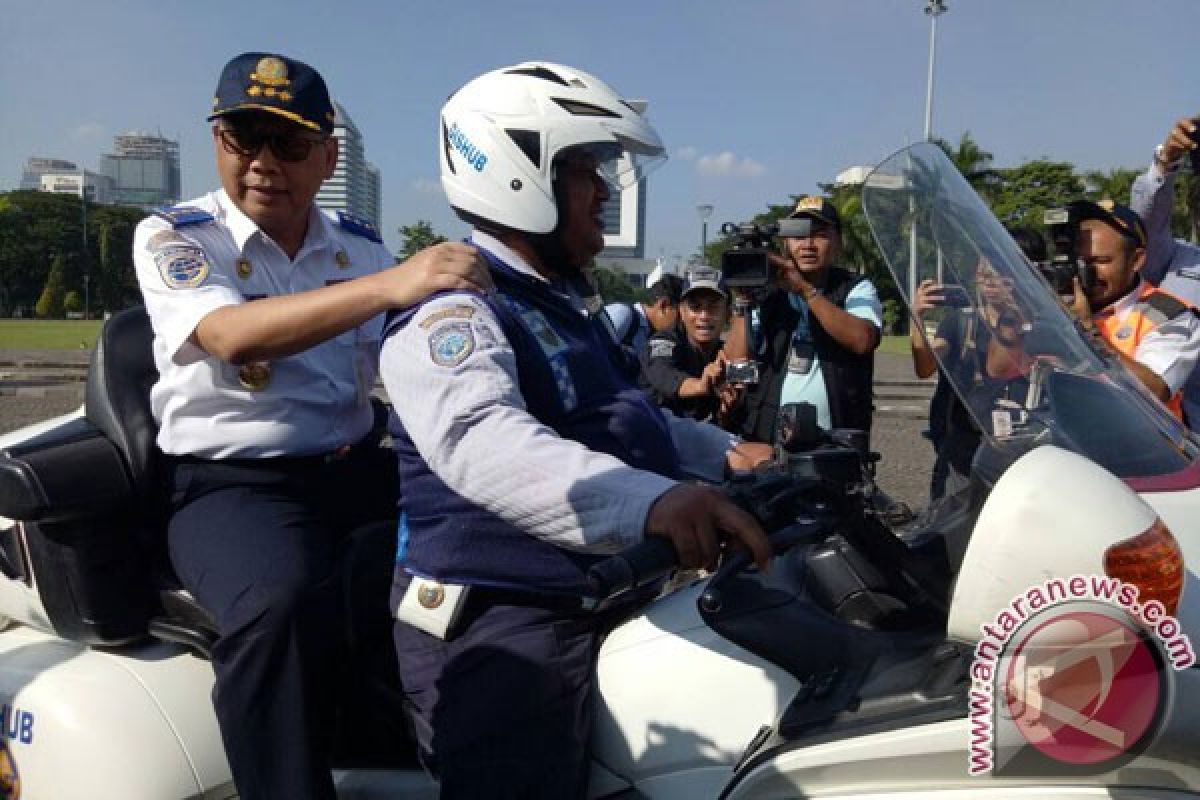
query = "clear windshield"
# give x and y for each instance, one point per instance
(1012, 353)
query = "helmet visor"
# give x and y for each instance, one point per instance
(625, 162)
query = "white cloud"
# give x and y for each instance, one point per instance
(88, 130)
(687, 153)
(727, 164)
(427, 186)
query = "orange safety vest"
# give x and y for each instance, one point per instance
(1153, 307)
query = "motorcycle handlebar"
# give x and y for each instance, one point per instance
(645, 562)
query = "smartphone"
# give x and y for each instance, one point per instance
(954, 296)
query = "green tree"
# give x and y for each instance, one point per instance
(417, 237)
(1113, 184)
(73, 302)
(973, 162)
(613, 286)
(50, 304)
(1026, 191)
(35, 224)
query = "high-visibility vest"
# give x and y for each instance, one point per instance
(1152, 308)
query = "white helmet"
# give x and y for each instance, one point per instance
(502, 131)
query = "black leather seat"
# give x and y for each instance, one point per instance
(117, 402)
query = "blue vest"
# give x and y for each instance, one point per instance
(574, 379)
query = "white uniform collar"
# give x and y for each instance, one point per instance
(505, 253)
(1122, 306)
(243, 228)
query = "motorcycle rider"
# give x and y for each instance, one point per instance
(814, 336)
(1154, 333)
(524, 449)
(1172, 264)
(266, 315)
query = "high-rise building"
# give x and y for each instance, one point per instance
(36, 168)
(625, 229)
(144, 170)
(81, 183)
(374, 195)
(354, 185)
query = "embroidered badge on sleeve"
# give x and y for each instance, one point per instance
(450, 343)
(182, 266)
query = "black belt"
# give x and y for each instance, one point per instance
(282, 463)
(490, 596)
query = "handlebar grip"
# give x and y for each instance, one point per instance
(646, 561)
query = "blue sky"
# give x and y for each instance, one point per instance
(755, 100)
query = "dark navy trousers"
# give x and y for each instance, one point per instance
(504, 708)
(257, 543)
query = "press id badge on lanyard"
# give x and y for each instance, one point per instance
(800, 360)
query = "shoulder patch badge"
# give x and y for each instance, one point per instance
(182, 266)
(359, 226)
(180, 216)
(661, 348)
(451, 343)
(454, 312)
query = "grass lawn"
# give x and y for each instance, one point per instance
(896, 345)
(56, 334)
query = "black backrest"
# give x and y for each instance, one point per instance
(117, 400)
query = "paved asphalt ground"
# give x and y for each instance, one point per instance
(38, 384)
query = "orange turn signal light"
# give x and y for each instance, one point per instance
(1151, 561)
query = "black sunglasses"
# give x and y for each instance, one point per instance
(246, 143)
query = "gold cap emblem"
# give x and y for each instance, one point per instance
(271, 71)
(255, 376)
(343, 260)
(431, 595)
(244, 268)
(1107, 204)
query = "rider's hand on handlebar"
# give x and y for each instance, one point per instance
(697, 519)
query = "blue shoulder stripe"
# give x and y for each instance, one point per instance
(359, 227)
(180, 216)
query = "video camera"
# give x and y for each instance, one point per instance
(1061, 270)
(746, 264)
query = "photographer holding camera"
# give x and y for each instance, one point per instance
(1172, 264)
(814, 335)
(683, 367)
(968, 352)
(1154, 333)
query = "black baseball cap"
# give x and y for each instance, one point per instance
(275, 84)
(817, 208)
(1122, 219)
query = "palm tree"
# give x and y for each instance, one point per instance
(973, 162)
(1113, 184)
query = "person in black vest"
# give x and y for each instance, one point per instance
(684, 367)
(525, 451)
(814, 335)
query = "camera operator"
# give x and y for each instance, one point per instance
(684, 368)
(1155, 334)
(1172, 264)
(814, 335)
